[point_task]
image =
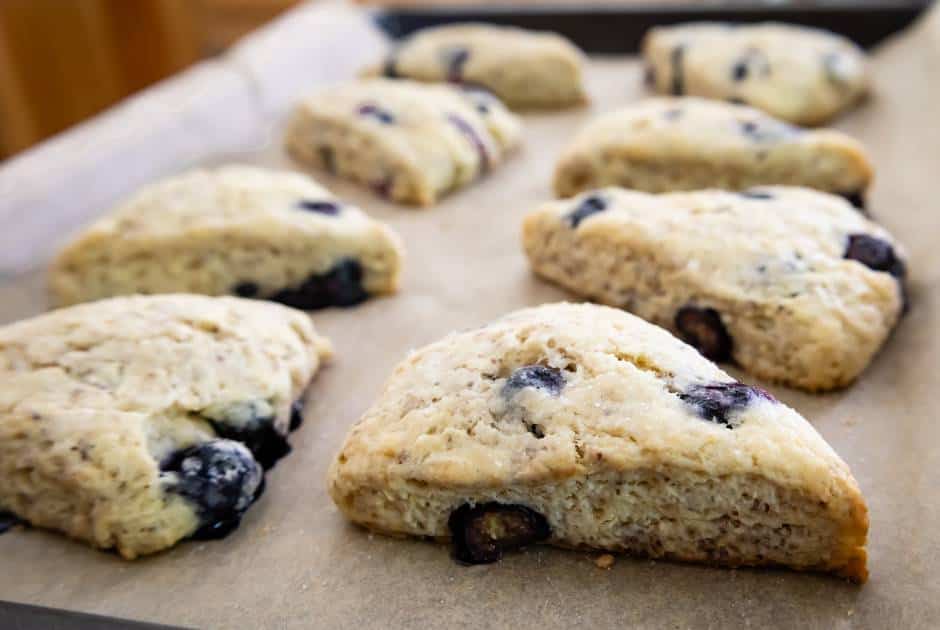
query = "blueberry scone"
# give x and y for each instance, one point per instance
(792, 284)
(802, 75)
(667, 144)
(525, 69)
(234, 230)
(410, 142)
(135, 422)
(582, 426)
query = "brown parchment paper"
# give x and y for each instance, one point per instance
(295, 563)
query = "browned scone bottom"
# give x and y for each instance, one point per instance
(584, 427)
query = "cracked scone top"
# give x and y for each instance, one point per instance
(803, 75)
(238, 230)
(671, 144)
(525, 69)
(132, 423)
(410, 142)
(792, 284)
(583, 426)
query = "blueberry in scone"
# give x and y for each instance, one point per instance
(220, 478)
(525, 69)
(482, 532)
(644, 447)
(672, 144)
(792, 284)
(408, 141)
(235, 230)
(802, 75)
(135, 422)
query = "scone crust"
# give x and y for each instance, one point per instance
(799, 74)
(93, 399)
(409, 141)
(525, 69)
(673, 144)
(771, 262)
(440, 436)
(208, 231)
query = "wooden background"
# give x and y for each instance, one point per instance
(64, 60)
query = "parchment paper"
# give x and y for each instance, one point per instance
(294, 562)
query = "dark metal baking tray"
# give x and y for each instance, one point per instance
(23, 617)
(619, 28)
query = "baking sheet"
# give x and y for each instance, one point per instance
(295, 563)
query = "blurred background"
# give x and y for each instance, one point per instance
(62, 61)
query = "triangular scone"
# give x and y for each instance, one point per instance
(133, 423)
(411, 142)
(526, 69)
(670, 144)
(801, 74)
(583, 426)
(792, 284)
(237, 230)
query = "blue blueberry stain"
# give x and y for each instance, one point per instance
(718, 402)
(371, 110)
(329, 208)
(588, 207)
(468, 132)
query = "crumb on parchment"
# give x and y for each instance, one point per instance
(604, 562)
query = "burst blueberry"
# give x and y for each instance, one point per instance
(718, 402)
(252, 424)
(547, 379)
(220, 478)
(482, 533)
(340, 286)
(876, 254)
(703, 329)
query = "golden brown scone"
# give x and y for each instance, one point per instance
(410, 142)
(792, 284)
(239, 230)
(799, 74)
(673, 144)
(525, 69)
(583, 426)
(135, 422)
